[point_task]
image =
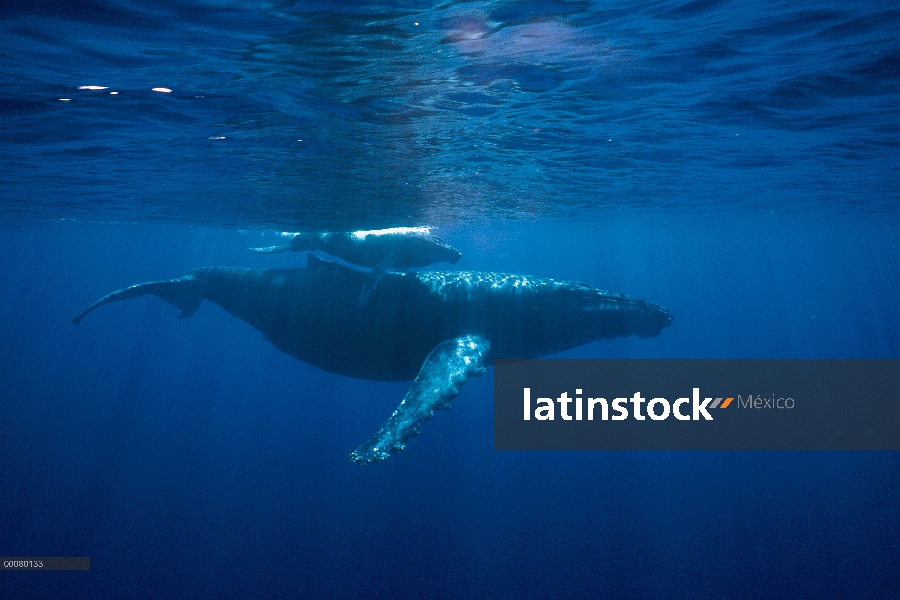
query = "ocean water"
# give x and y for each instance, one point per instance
(735, 162)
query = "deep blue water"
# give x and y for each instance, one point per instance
(735, 162)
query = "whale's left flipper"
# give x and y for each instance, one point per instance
(374, 277)
(448, 366)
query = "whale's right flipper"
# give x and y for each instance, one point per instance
(448, 366)
(184, 293)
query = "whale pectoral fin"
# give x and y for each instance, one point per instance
(374, 276)
(181, 293)
(448, 366)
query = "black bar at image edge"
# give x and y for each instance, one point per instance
(44, 563)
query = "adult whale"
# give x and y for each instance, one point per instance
(398, 248)
(437, 327)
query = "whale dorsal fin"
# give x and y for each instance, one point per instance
(447, 367)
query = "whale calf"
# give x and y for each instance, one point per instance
(399, 248)
(436, 328)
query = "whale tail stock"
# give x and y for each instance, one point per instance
(184, 293)
(447, 368)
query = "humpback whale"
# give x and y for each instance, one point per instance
(436, 328)
(399, 248)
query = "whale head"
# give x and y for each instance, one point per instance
(444, 252)
(606, 315)
(653, 320)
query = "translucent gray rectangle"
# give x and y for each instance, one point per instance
(697, 405)
(45, 563)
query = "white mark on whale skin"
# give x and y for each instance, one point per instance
(361, 235)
